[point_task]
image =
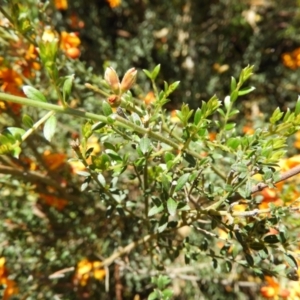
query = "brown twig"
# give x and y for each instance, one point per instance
(34, 178)
(258, 187)
(284, 176)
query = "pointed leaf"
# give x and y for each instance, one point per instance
(232, 84)
(145, 145)
(297, 108)
(49, 128)
(33, 93)
(67, 87)
(155, 72)
(173, 87)
(246, 91)
(182, 181)
(147, 73)
(172, 206)
(155, 210)
(106, 109)
(27, 121)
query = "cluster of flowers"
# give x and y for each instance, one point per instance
(291, 59)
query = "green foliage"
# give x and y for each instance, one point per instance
(154, 193)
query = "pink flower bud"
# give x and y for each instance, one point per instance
(114, 100)
(128, 80)
(111, 77)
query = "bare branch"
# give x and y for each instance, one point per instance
(284, 176)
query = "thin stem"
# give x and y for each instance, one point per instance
(145, 187)
(36, 125)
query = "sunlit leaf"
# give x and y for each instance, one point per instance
(50, 128)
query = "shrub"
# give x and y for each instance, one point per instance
(110, 195)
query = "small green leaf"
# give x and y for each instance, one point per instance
(155, 210)
(249, 259)
(182, 181)
(168, 156)
(276, 116)
(147, 73)
(221, 112)
(233, 112)
(215, 263)
(16, 132)
(34, 94)
(227, 102)
(163, 223)
(83, 173)
(154, 295)
(228, 266)
(271, 239)
(155, 72)
(85, 184)
(98, 126)
(167, 294)
(101, 179)
(166, 86)
(246, 91)
(232, 84)
(229, 126)
(106, 109)
(291, 260)
(234, 95)
(165, 180)
(67, 87)
(297, 108)
(197, 116)
(172, 206)
(145, 145)
(172, 87)
(27, 121)
(113, 154)
(49, 128)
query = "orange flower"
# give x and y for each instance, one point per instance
(29, 65)
(86, 269)
(58, 203)
(297, 140)
(248, 130)
(54, 160)
(11, 81)
(269, 195)
(11, 287)
(291, 59)
(268, 291)
(174, 117)
(69, 44)
(272, 289)
(149, 98)
(75, 22)
(212, 136)
(61, 4)
(114, 3)
(289, 163)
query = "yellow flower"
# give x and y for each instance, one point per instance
(86, 269)
(114, 3)
(69, 43)
(61, 4)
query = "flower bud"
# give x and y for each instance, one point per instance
(111, 77)
(114, 100)
(128, 80)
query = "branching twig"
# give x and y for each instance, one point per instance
(284, 176)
